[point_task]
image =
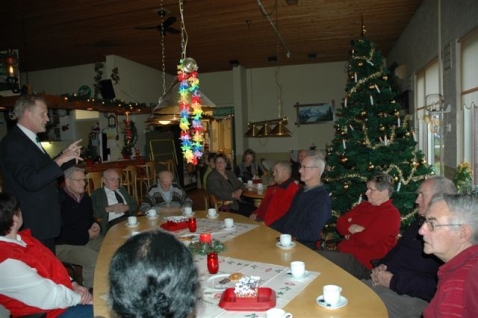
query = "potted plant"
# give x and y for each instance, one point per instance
(130, 138)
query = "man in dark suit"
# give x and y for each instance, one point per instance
(30, 174)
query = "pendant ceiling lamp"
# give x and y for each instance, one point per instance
(280, 130)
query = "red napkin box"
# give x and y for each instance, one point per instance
(173, 226)
(266, 299)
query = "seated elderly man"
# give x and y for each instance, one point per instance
(80, 239)
(406, 278)
(112, 203)
(278, 197)
(32, 279)
(166, 196)
(450, 232)
(153, 275)
(311, 206)
(370, 229)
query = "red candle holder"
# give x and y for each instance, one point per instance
(212, 263)
(192, 224)
(205, 238)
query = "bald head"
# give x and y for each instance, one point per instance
(165, 179)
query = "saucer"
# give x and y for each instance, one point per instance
(292, 245)
(132, 225)
(289, 275)
(213, 217)
(321, 302)
(190, 215)
(229, 228)
(152, 217)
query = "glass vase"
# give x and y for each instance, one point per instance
(212, 263)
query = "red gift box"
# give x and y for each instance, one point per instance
(266, 299)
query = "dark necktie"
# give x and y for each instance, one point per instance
(39, 143)
(119, 197)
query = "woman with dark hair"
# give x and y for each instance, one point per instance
(225, 186)
(248, 168)
(152, 276)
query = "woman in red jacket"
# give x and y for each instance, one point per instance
(369, 230)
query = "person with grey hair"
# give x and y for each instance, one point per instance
(30, 174)
(369, 230)
(450, 232)
(311, 207)
(406, 278)
(80, 239)
(278, 197)
(166, 196)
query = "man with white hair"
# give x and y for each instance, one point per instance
(450, 232)
(311, 207)
(166, 196)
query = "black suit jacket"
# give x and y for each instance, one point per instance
(31, 176)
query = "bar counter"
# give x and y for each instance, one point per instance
(120, 164)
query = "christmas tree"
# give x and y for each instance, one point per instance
(372, 136)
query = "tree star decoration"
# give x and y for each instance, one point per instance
(190, 112)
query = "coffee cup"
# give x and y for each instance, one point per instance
(228, 223)
(297, 269)
(331, 294)
(260, 186)
(132, 220)
(151, 213)
(285, 239)
(187, 210)
(278, 313)
(249, 183)
(211, 212)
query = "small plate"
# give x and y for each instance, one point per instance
(188, 238)
(321, 302)
(213, 282)
(292, 245)
(289, 275)
(213, 217)
(228, 228)
(132, 225)
(190, 215)
(152, 217)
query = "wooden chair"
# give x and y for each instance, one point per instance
(218, 204)
(129, 180)
(93, 181)
(147, 178)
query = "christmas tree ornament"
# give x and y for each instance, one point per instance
(395, 179)
(407, 134)
(345, 186)
(360, 64)
(343, 159)
(370, 166)
(371, 86)
(385, 78)
(381, 128)
(363, 113)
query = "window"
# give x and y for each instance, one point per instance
(428, 124)
(469, 99)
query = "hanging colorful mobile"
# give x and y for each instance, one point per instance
(190, 111)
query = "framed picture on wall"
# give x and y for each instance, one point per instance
(317, 113)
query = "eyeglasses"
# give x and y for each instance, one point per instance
(113, 179)
(220, 162)
(372, 190)
(305, 167)
(78, 180)
(431, 226)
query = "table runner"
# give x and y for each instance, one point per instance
(272, 276)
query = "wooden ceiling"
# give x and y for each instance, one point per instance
(58, 33)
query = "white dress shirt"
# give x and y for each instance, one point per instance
(32, 136)
(111, 197)
(22, 282)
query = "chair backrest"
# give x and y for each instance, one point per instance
(93, 181)
(129, 180)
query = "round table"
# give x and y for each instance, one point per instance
(256, 195)
(258, 245)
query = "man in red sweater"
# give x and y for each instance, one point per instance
(450, 232)
(32, 279)
(370, 229)
(278, 197)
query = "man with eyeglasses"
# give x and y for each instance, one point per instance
(112, 203)
(80, 239)
(311, 207)
(406, 278)
(450, 232)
